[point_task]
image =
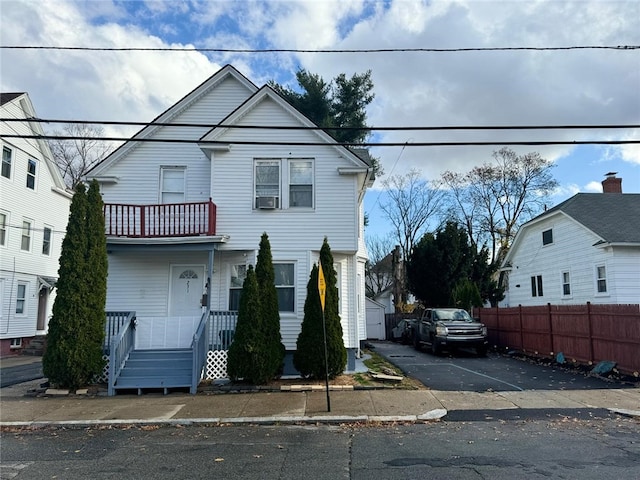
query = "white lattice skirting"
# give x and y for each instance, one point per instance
(215, 368)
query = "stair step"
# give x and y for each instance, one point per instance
(154, 372)
(143, 382)
(159, 362)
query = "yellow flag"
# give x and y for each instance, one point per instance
(322, 286)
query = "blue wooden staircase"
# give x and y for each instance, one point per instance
(156, 369)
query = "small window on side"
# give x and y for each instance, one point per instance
(547, 237)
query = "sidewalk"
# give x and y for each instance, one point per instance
(383, 405)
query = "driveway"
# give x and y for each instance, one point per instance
(499, 373)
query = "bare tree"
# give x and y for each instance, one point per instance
(76, 157)
(412, 203)
(494, 199)
(378, 272)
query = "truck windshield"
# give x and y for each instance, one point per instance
(458, 315)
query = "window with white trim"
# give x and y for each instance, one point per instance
(172, 184)
(25, 242)
(285, 286)
(536, 286)
(601, 279)
(16, 343)
(267, 183)
(46, 240)
(3, 229)
(566, 284)
(21, 299)
(6, 162)
(238, 275)
(31, 174)
(547, 237)
(300, 183)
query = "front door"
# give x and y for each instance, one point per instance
(43, 299)
(187, 287)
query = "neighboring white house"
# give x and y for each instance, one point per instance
(586, 249)
(184, 220)
(34, 209)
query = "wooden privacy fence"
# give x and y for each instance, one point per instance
(392, 319)
(583, 333)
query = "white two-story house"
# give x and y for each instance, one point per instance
(586, 249)
(189, 196)
(34, 209)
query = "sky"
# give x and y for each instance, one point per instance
(426, 88)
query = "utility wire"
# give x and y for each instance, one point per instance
(296, 50)
(321, 144)
(296, 127)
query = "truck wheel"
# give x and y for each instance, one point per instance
(435, 349)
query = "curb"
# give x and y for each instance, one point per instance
(432, 415)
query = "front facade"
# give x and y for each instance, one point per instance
(586, 249)
(184, 220)
(34, 209)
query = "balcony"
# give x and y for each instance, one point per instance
(161, 220)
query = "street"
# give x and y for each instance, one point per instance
(556, 447)
(28, 368)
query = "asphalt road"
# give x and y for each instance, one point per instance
(558, 447)
(20, 373)
(463, 370)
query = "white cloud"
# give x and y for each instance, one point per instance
(593, 187)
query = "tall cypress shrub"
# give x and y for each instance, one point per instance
(337, 352)
(309, 355)
(247, 357)
(68, 361)
(270, 315)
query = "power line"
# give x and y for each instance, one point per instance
(296, 127)
(323, 144)
(296, 50)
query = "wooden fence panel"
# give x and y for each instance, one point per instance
(583, 333)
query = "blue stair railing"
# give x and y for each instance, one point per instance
(198, 347)
(120, 347)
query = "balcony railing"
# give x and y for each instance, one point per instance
(161, 220)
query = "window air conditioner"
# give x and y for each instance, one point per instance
(267, 202)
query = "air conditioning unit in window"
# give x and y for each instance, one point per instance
(267, 203)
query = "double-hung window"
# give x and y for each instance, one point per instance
(31, 174)
(6, 162)
(601, 279)
(267, 184)
(3, 229)
(301, 183)
(46, 241)
(25, 242)
(238, 274)
(536, 286)
(172, 184)
(285, 286)
(566, 284)
(21, 299)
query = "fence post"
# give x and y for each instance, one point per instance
(591, 359)
(499, 338)
(550, 328)
(521, 333)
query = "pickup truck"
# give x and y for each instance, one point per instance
(449, 328)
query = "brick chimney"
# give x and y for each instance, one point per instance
(612, 184)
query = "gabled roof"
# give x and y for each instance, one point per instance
(24, 103)
(174, 111)
(613, 216)
(215, 134)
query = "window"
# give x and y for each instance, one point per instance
(26, 236)
(285, 286)
(21, 298)
(46, 241)
(601, 279)
(566, 284)
(16, 343)
(536, 286)
(267, 178)
(6, 162)
(301, 183)
(238, 274)
(3, 229)
(172, 184)
(547, 237)
(31, 174)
